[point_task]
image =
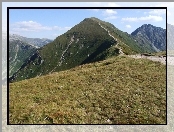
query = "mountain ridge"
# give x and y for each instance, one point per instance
(89, 41)
(37, 42)
(84, 42)
(152, 37)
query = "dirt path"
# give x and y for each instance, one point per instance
(120, 50)
(153, 58)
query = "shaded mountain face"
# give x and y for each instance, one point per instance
(150, 37)
(19, 51)
(37, 42)
(170, 37)
(89, 41)
(20, 48)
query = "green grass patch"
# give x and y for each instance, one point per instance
(119, 90)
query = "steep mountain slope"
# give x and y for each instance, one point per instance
(118, 90)
(37, 42)
(19, 51)
(85, 40)
(20, 48)
(170, 37)
(150, 37)
(89, 41)
(125, 41)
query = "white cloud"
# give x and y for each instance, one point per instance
(109, 14)
(128, 26)
(157, 12)
(146, 18)
(29, 26)
(33, 26)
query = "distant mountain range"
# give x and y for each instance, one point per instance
(37, 42)
(89, 41)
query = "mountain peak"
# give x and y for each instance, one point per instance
(89, 41)
(93, 19)
(147, 28)
(147, 25)
(152, 35)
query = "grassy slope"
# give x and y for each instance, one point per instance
(160, 53)
(125, 41)
(91, 42)
(117, 90)
(93, 45)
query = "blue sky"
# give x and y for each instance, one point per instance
(50, 23)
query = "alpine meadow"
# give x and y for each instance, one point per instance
(94, 73)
